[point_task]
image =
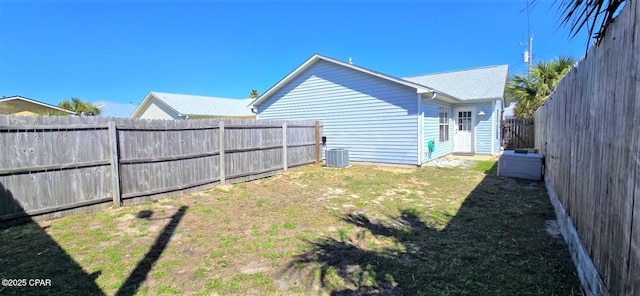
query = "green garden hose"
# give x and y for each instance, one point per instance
(431, 146)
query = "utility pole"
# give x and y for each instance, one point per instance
(528, 55)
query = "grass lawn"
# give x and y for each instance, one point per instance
(359, 230)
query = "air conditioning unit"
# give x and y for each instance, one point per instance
(521, 165)
(337, 158)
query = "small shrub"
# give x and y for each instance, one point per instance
(289, 225)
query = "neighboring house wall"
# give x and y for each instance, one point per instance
(374, 118)
(158, 110)
(26, 107)
(26, 113)
(431, 129)
(510, 111)
(157, 105)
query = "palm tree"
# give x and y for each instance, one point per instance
(80, 107)
(254, 94)
(531, 91)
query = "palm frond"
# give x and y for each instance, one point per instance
(590, 14)
(79, 107)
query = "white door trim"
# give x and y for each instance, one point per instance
(420, 130)
(473, 110)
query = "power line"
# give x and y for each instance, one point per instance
(529, 52)
(528, 27)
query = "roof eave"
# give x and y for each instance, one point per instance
(36, 102)
(482, 100)
(138, 110)
(438, 95)
(316, 57)
(218, 115)
(180, 114)
(147, 100)
(284, 80)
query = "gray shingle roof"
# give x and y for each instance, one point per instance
(471, 84)
(205, 106)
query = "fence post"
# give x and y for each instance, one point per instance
(502, 135)
(317, 142)
(115, 171)
(221, 149)
(284, 146)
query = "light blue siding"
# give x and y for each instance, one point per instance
(431, 129)
(484, 125)
(483, 135)
(497, 122)
(374, 118)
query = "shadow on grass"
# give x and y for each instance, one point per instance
(32, 263)
(496, 244)
(139, 274)
(28, 253)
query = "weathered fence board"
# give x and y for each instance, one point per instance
(518, 133)
(52, 166)
(589, 132)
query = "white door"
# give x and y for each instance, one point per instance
(463, 138)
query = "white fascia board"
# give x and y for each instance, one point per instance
(420, 123)
(143, 105)
(316, 57)
(284, 81)
(440, 96)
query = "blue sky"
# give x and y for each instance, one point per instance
(115, 52)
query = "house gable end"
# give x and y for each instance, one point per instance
(376, 119)
(154, 108)
(318, 58)
(345, 87)
(24, 106)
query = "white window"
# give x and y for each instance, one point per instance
(464, 121)
(444, 124)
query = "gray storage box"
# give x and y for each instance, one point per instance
(337, 158)
(520, 165)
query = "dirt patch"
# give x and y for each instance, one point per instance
(225, 187)
(552, 228)
(446, 162)
(392, 169)
(126, 218)
(255, 266)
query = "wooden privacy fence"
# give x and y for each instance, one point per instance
(52, 166)
(589, 132)
(518, 133)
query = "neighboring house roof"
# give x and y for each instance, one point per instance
(115, 109)
(420, 89)
(14, 104)
(471, 84)
(192, 105)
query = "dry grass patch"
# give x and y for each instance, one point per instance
(359, 230)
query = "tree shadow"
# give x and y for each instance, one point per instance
(495, 244)
(33, 263)
(139, 274)
(29, 256)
